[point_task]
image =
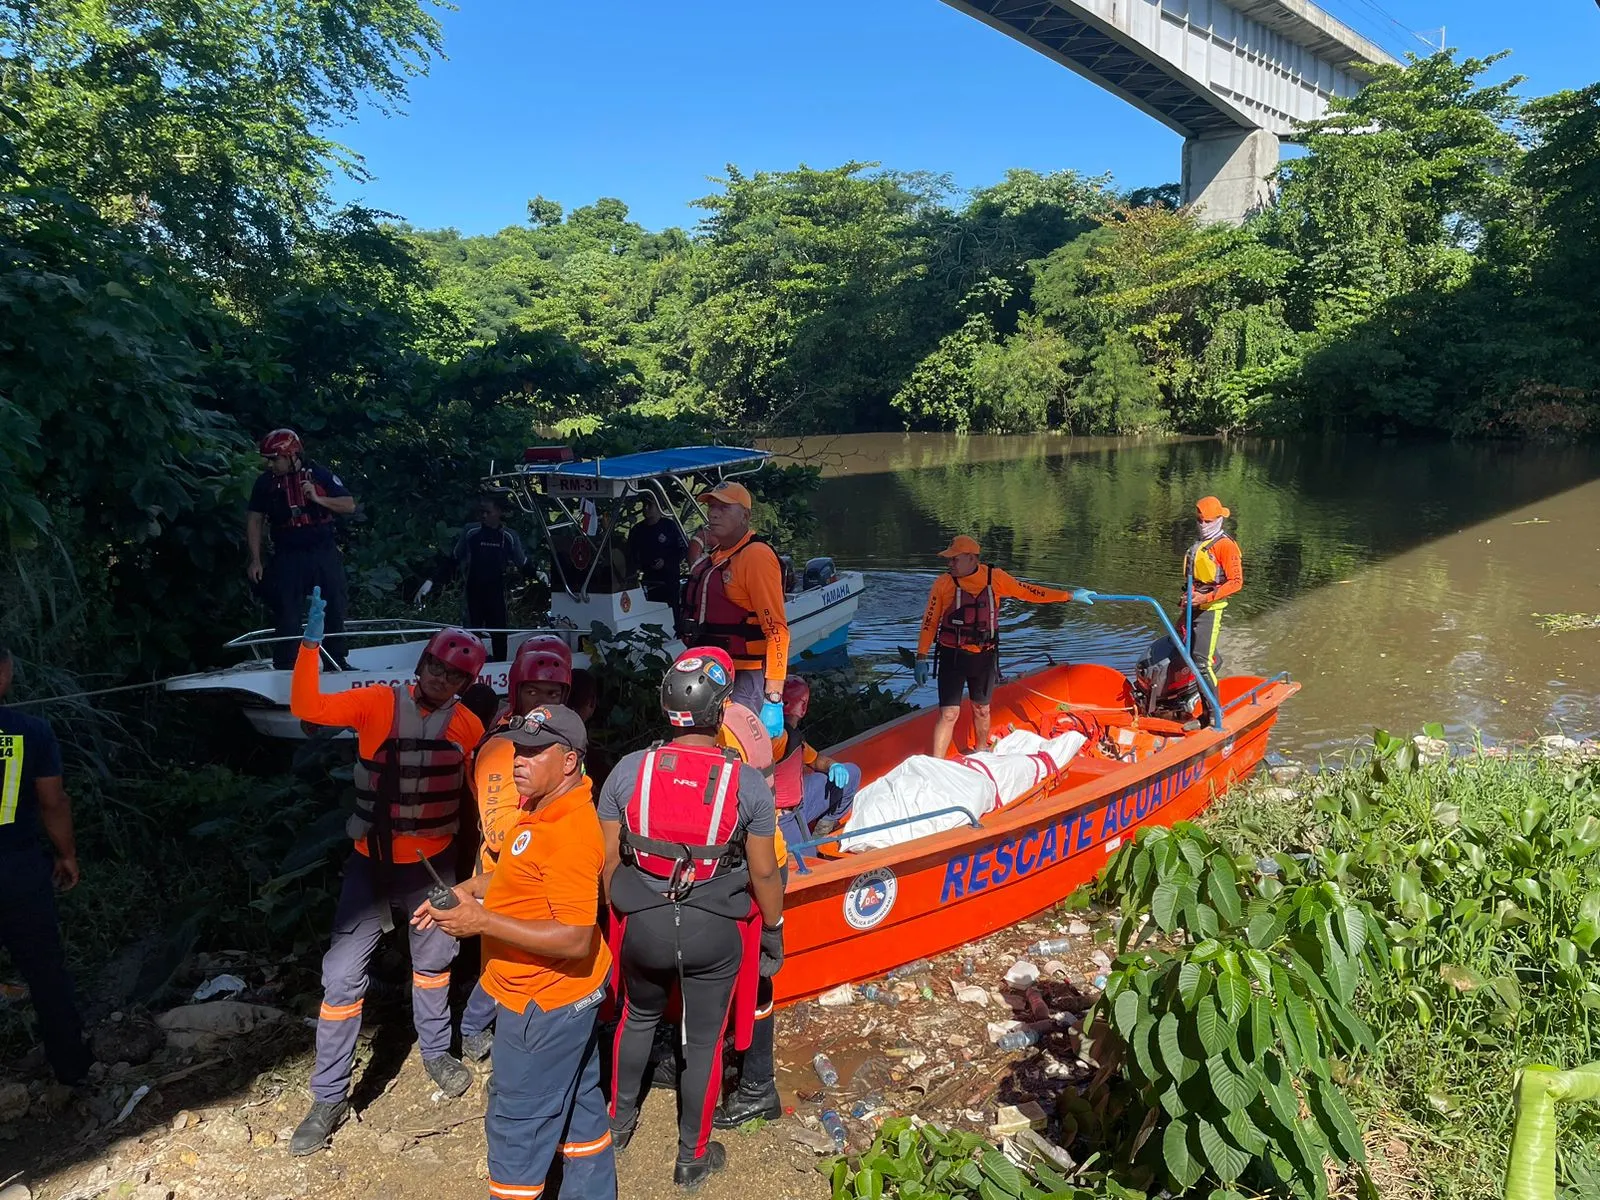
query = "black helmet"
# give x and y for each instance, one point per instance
(696, 686)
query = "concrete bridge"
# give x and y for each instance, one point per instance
(1232, 76)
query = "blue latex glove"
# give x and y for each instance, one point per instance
(838, 776)
(772, 717)
(920, 671)
(316, 619)
(1083, 596)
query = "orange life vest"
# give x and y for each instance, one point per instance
(974, 620)
(711, 618)
(415, 779)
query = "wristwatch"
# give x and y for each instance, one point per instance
(775, 697)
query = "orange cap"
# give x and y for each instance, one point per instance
(961, 544)
(1210, 508)
(729, 493)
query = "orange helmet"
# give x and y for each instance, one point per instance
(458, 650)
(282, 441)
(544, 658)
(796, 699)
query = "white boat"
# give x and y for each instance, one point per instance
(576, 503)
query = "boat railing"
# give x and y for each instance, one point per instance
(377, 627)
(1254, 693)
(797, 848)
(1213, 705)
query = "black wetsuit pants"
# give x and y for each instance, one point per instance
(660, 946)
(286, 586)
(486, 609)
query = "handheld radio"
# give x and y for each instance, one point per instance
(440, 895)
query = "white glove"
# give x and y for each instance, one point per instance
(427, 586)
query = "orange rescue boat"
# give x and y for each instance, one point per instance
(854, 916)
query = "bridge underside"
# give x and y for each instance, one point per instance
(1124, 70)
(1234, 77)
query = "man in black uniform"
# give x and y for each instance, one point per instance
(31, 796)
(657, 550)
(299, 500)
(486, 550)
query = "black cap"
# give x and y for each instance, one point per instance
(548, 725)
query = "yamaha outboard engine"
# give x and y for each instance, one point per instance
(1165, 687)
(819, 571)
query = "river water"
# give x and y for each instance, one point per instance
(1397, 582)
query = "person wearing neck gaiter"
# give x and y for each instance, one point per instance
(1213, 570)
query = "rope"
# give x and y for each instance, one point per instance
(130, 687)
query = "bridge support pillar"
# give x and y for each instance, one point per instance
(1226, 176)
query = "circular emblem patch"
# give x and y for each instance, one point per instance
(689, 665)
(521, 844)
(869, 898)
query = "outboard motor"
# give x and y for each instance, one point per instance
(1165, 687)
(819, 572)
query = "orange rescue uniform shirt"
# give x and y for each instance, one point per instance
(549, 870)
(727, 740)
(1226, 551)
(499, 805)
(755, 583)
(780, 747)
(942, 598)
(370, 712)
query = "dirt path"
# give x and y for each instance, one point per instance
(216, 1121)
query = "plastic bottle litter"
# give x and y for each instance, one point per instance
(873, 993)
(1100, 982)
(865, 1105)
(1037, 1008)
(1048, 947)
(969, 967)
(927, 991)
(826, 1071)
(834, 1124)
(1020, 1038)
(913, 968)
(1267, 866)
(1022, 974)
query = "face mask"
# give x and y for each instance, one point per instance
(1210, 529)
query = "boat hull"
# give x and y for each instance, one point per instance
(855, 917)
(819, 621)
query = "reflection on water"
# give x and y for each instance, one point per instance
(1397, 582)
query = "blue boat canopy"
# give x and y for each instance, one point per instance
(648, 464)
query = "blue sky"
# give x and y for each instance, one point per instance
(644, 101)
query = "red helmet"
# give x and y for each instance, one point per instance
(282, 441)
(545, 658)
(796, 699)
(457, 649)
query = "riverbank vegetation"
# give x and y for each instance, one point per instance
(1347, 974)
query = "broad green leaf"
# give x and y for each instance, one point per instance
(1193, 982)
(1233, 994)
(1337, 1121)
(1164, 906)
(1183, 1165)
(1002, 1171)
(1178, 1064)
(1125, 1013)
(1213, 1029)
(1226, 1160)
(868, 1185)
(1231, 1091)
(1222, 887)
(1353, 926)
(1244, 1132)
(1262, 930)
(1260, 1025)
(1206, 951)
(1146, 1052)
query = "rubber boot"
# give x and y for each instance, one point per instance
(448, 1072)
(315, 1131)
(476, 1047)
(690, 1175)
(748, 1104)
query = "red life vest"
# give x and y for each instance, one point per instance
(415, 779)
(974, 620)
(302, 512)
(712, 618)
(788, 774)
(682, 818)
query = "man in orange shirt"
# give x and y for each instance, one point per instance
(734, 600)
(963, 618)
(545, 964)
(412, 744)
